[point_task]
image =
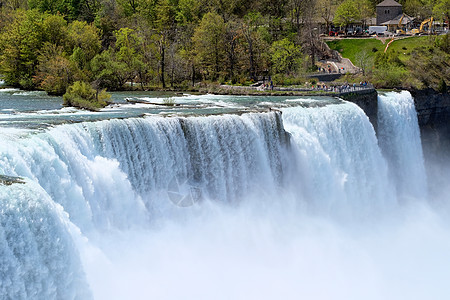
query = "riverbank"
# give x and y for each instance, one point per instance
(333, 90)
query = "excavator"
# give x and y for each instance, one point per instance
(399, 25)
(420, 30)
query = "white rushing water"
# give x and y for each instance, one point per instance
(400, 141)
(303, 204)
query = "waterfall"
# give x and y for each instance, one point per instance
(117, 173)
(341, 164)
(247, 205)
(399, 138)
(38, 258)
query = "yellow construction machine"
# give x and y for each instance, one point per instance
(420, 30)
(399, 26)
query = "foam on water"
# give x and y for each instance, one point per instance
(9, 90)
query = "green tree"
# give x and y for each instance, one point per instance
(129, 52)
(389, 70)
(89, 9)
(441, 11)
(69, 8)
(85, 41)
(13, 4)
(209, 45)
(421, 9)
(55, 30)
(347, 13)
(189, 11)
(366, 10)
(108, 71)
(55, 71)
(442, 42)
(130, 7)
(20, 43)
(255, 47)
(285, 56)
(165, 26)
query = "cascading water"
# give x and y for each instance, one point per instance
(38, 257)
(399, 138)
(256, 206)
(342, 166)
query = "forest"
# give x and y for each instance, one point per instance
(111, 44)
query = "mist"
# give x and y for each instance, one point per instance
(242, 254)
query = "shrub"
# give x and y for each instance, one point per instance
(442, 87)
(169, 101)
(82, 95)
(294, 80)
(443, 42)
(389, 76)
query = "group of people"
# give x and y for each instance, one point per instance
(346, 87)
(325, 70)
(329, 70)
(268, 85)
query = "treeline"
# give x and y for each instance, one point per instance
(52, 44)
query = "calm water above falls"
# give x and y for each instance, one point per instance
(303, 203)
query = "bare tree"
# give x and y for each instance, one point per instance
(309, 33)
(364, 61)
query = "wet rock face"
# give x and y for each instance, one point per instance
(368, 102)
(433, 108)
(433, 112)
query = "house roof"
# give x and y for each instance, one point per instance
(406, 20)
(388, 3)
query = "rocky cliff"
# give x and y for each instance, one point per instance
(433, 111)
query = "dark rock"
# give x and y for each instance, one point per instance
(368, 101)
(8, 180)
(433, 112)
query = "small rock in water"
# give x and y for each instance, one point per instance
(8, 180)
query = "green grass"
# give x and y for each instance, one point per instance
(407, 45)
(350, 47)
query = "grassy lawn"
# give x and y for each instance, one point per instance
(350, 47)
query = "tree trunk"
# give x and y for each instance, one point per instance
(193, 75)
(163, 64)
(252, 60)
(172, 73)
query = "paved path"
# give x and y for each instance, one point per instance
(345, 66)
